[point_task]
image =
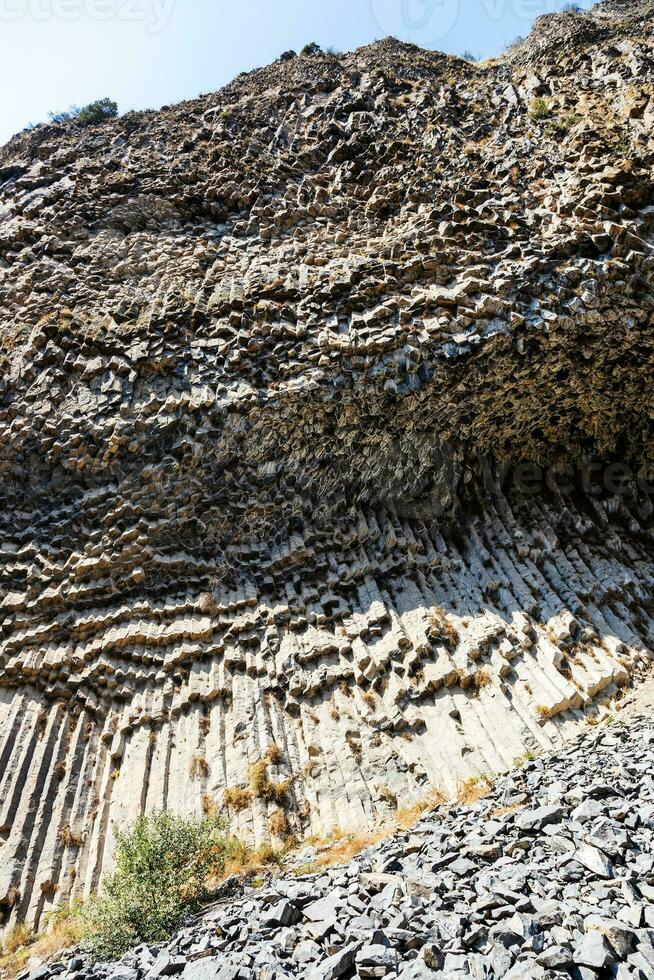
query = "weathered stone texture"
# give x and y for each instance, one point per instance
(253, 349)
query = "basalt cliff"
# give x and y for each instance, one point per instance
(325, 439)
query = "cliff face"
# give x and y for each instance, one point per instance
(260, 352)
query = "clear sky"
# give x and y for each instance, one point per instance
(149, 53)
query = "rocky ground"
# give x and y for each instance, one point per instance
(551, 875)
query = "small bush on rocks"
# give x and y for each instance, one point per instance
(97, 112)
(88, 115)
(162, 866)
(539, 109)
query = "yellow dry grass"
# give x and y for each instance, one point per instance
(63, 930)
(237, 799)
(273, 753)
(473, 789)
(407, 816)
(278, 824)
(339, 849)
(199, 767)
(249, 863)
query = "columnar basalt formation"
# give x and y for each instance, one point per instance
(270, 360)
(547, 877)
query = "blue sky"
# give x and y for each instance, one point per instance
(148, 53)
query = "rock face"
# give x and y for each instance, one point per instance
(270, 360)
(548, 877)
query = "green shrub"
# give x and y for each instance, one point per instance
(562, 125)
(97, 112)
(67, 115)
(162, 865)
(88, 115)
(311, 48)
(539, 109)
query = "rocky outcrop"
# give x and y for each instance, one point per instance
(550, 876)
(271, 360)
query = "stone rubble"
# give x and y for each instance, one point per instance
(549, 876)
(254, 352)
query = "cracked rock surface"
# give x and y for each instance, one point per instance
(253, 349)
(550, 876)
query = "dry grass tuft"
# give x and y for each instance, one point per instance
(278, 824)
(261, 787)
(338, 849)
(407, 816)
(278, 792)
(238, 861)
(473, 789)
(267, 854)
(237, 798)
(69, 837)
(387, 795)
(199, 767)
(442, 629)
(480, 679)
(273, 753)
(311, 768)
(354, 746)
(20, 935)
(249, 864)
(258, 777)
(209, 806)
(63, 930)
